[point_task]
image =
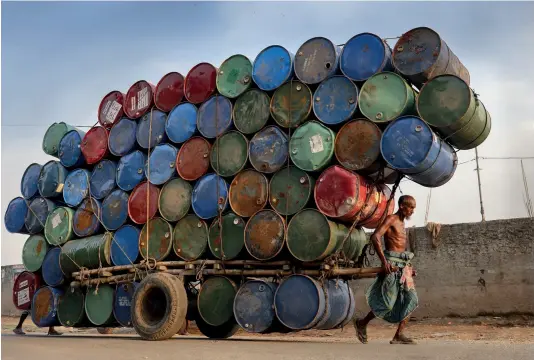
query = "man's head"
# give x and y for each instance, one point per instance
(406, 206)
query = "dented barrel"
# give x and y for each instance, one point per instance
(312, 146)
(143, 202)
(316, 60)
(122, 137)
(53, 136)
(52, 179)
(149, 135)
(24, 287)
(229, 154)
(16, 213)
(357, 145)
(190, 237)
(216, 299)
(291, 104)
(272, 67)
(364, 55)
(38, 210)
(265, 235)
(70, 153)
(174, 199)
(95, 145)
(249, 192)
(234, 76)
(33, 252)
(76, 188)
(89, 252)
(251, 111)
(267, 150)
(45, 306)
(155, 240)
(290, 190)
(102, 180)
(160, 167)
(210, 195)
(86, 221)
(28, 182)
(181, 123)
(214, 116)
(115, 210)
(193, 160)
(99, 305)
(335, 100)
(139, 99)
(229, 243)
(51, 270)
(58, 227)
(125, 246)
(131, 170)
(169, 91)
(122, 305)
(111, 108)
(200, 83)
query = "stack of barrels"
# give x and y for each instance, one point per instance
(286, 157)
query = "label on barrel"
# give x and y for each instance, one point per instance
(56, 220)
(316, 144)
(124, 301)
(23, 296)
(23, 284)
(111, 110)
(142, 98)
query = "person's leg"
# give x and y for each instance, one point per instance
(399, 337)
(18, 329)
(52, 331)
(360, 325)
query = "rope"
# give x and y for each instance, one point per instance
(287, 196)
(219, 208)
(148, 193)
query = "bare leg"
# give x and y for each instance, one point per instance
(18, 329)
(52, 331)
(399, 337)
(360, 325)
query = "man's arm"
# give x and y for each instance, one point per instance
(375, 239)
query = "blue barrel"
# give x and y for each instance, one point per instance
(409, 146)
(272, 67)
(76, 187)
(351, 312)
(51, 271)
(335, 100)
(299, 302)
(130, 170)
(38, 211)
(52, 179)
(162, 164)
(70, 152)
(86, 218)
(122, 137)
(115, 210)
(181, 123)
(125, 245)
(16, 212)
(365, 55)
(102, 180)
(337, 304)
(316, 60)
(268, 149)
(154, 136)
(28, 183)
(254, 306)
(214, 116)
(207, 199)
(123, 302)
(45, 304)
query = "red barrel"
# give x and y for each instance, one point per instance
(26, 284)
(200, 83)
(169, 91)
(340, 194)
(111, 109)
(373, 221)
(95, 144)
(139, 99)
(193, 159)
(137, 202)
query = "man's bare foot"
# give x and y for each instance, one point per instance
(53, 332)
(19, 331)
(361, 330)
(401, 339)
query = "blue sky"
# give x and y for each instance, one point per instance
(59, 59)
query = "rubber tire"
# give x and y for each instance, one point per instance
(223, 331)
(104, 331)
(176, 307)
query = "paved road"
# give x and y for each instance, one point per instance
(133, 348)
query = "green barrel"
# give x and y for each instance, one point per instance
(312, 146)
(233, 154)
(71, 308)
(33, 252)
(290, 190)
(234, 76)
(175, 199)
(216, 300)
(53, 136)
(88, 252)
(291, 104)
(312, 237)
(156, 237)
(448, 104)
(386, 96)
(190, 237)
(233, 237)
(58, 227)
(99, 305)
(251, 111)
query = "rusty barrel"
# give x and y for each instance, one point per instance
(210, 195)
(335, 100)
(51, 270)
(70, 153)
(122, 137)
(377, 213)
(143, 202)
(111, 108)
(102, 180)
(155, 241)
(16, 213)
(24, 287)
(193, 161)
(139, 99)
(357, 145)
(316, 60)
(272, 67)
(89, 252)
(312, 146)
(290, 190)
(86, 221)
(38, 210)
(190, 237)
(291, 104)
(44, 307)
(216, 299)
(95, 145)
(77, 186)
(58, 227)
(267, 151)
(115, 210)
(161, 165)
(265, 235)
(33, 252)
(28, 182)
(200, 83)
(231, 239)
(249, 192)
(130, 170)
(149, 136)
(169, 91)
(52, 179)
(251, 111)
(234, 76)
(214, 116)
(53, 136)
(181, 123)
(175, 199)
(125, 245)
(229, 154)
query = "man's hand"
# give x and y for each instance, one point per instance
(387, 268)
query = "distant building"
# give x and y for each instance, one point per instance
(9, 273)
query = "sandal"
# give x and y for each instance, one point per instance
(361, 331)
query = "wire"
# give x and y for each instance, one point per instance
(41, 125)
(506, 158)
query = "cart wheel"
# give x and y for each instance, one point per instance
(104, 330)
(223, 331)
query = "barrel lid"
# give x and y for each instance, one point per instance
(254, 305)
(162, 162)
(28, 183)
(308, 235)
(210, 195)
(122, 137)
(156, 239)
(137, 202)
(115, 210)
(251, 111)
(51, 270)
(335, 100)
(249, 193)
(265, 234)
(70, 151)
(290, 190)
(38, 210)
(44, 305)
(234, 76)
(86, 220)
(102, 180)
(53, 136)
(147, 136)
(272, 67)
(190, 237)
(24, 287)
(312, 146)
(51, 179)
(139, 99)
(193, 160)
(416, 51)
(33, 252)
(169, 91)
(216, 299)
(58, 227)
(130, 170)
(291, 104)
(233, 237)
(76, 187)
(16, 212)
(363, 56)
(316, 60)
(260, 150)
(95, 144)
(357, 145)
(232, 156)
(181, 123)
(99, 304)
(71, 309)
(200, 83)
(125, 245)
(214, 116)
(124, 294)
(111, 108)
(175, 199)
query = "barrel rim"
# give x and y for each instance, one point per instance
(162, 190)
(219, 75)
(336, 49)
(98, 155)
(250, 281)
(277, 130)
(69, 213)
(154, 117)
(81, 208)
(346, 126)
(488, 124)
(187, 78)
(99, 167)
(264, 180)
(446, 179)
(88, 293)
(75, 174)
(24, 177)
(40, 237)
(25, 201)
(130, 197)
(172, 164)
(332, 140)
(402, 39)
(276, 120)
(179, 153)
(204, 225)
(282, 221)
(264, 94)
(291, 66)
(110, 147)
(146, 247)
(309, 180)
(120, 193)
(287, 233)
(220, 207)
(53, 292)
(121, 161)
(62, 123)
(321, 85)
(204, 105)
(230, 281)
(111, 252)
(80, 138)
(151, 88)
(157, 89)
(351, 39)
(175, 108)
(216, 145)
(123, 96)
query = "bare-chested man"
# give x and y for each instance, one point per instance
(392, 296)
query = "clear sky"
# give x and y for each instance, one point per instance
(59, 59)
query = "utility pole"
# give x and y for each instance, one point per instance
(479, 187)
(528, 201)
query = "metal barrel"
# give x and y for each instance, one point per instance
(200, 83)
(147, 135)
(52, 179)
(122, 137)
(174, 199)
(231, 239)
(272, 67)
(351, 312)
(53, 136)
(267, 151)
(216, 300)
(162, 161)
(51, 269)
(210, 194)
(125, 245)
(76, 187)
(390, 175)
(115, 210)
(316, 60)
(214, 116)
(234, 76)
(421, 54)
(304, 314)
(265, 234)
(382, 209)
(58, 227)
(291, 104)
(16, 213)
(169, 91)
(70, 153)
(337, 304)
(86, 220)
(363, 56)
(99, 305)
(290, 190)
(251, 111)
(95, 145)
(102, 181)
(312, 146)
(28, 182)
(71, 308)
(122, 305)
(409, 145)
(138, 209)
(139, 99)
(155, 240)
(44, 308)
(448, 105)
(190, 237)
(357, 145)
(130, 170)
(38, 211)
(335, 100)
(192, 160)
(33, 252)
(229, 154)
(89, 252)
(386, 96)
(181, 123)
(249, 193)
(111, 109)
(24, 287)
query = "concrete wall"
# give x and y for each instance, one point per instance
(9, 273)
